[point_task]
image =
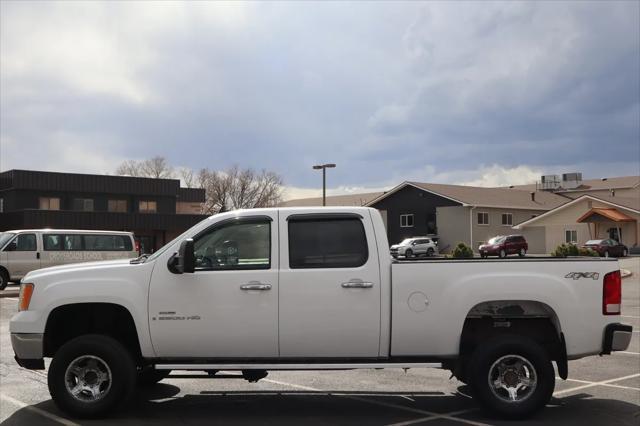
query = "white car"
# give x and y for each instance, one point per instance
(413, 247)
(25, 250)
(313, 289)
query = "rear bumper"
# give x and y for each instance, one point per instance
(616, 338)
(28, 350)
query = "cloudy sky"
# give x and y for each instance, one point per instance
(452, 92)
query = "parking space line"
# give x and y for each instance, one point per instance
(629, 316)
(593, 384)
(627, 353)
(603, 384)
(37, 410)
(432, 415)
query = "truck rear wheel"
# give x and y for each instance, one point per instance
(512, 376)
(91, 375)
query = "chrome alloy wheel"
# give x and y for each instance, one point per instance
(512, 378)
(88, 378)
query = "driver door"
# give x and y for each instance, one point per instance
(227, 308)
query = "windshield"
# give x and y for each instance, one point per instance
(169, 244)
(496, 240)
(406, 242)
(593, 242)
(5, 237)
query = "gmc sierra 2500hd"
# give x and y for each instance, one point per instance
(311, 289)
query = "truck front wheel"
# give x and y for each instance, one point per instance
(91, 375)
(512, 376)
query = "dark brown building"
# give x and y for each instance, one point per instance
(156, 210)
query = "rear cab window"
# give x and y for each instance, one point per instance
(327, 241)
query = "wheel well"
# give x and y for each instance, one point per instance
(69, 321)
(531, 319)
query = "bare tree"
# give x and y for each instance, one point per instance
(239, 189)
(130, 168)
(157, 167)
(188, 177)
(234, 188)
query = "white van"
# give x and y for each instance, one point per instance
(25, 250)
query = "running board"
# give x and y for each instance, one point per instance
(299, 366)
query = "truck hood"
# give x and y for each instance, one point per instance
(100, 266)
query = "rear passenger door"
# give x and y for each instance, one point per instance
(329, 286)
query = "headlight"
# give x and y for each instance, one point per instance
(26, 291)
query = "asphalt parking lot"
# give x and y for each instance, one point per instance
(601, 391)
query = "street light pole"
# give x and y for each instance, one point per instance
(324, 168)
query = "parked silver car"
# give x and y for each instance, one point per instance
(416, 246)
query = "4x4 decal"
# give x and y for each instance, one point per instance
(578, 275)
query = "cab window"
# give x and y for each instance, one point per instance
(23, 242)
(235, 246)
(327, 243)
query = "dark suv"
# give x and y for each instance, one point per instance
(503, 246)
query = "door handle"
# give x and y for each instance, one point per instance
(38, 255)
(357, 284)
(255, 286)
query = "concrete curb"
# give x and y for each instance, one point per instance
(9, 293)
(625, 273)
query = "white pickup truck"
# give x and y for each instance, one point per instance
(312, 289)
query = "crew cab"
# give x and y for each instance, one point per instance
(312, 289)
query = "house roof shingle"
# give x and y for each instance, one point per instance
(490, 197)
(333, 200)
(594, 184)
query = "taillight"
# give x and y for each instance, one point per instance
(611, 293)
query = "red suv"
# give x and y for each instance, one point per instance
(503, 246)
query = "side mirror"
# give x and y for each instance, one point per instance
(12, 246)
(183, 262)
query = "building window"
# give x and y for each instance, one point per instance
(483, 218)
(49, 203)
(571, 236)
(507, 219)
(83, 204)
(119, 206)
(406, 221)
(147, 207)
(1, 205)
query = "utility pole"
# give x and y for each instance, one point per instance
(324, 168)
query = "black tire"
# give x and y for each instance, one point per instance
(502, 254)
(118, 389)
(149, 376)
(4, 278)
(522, 252)
(408, 254)
(494, 350)
(430, 252)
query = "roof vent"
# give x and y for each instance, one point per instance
(533, 196)
(603, 179)
(612, 192)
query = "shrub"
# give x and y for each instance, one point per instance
(561, 251)
(588, 252)
(564, 250)
(462, 251)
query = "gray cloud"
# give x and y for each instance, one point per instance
(386, 90)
